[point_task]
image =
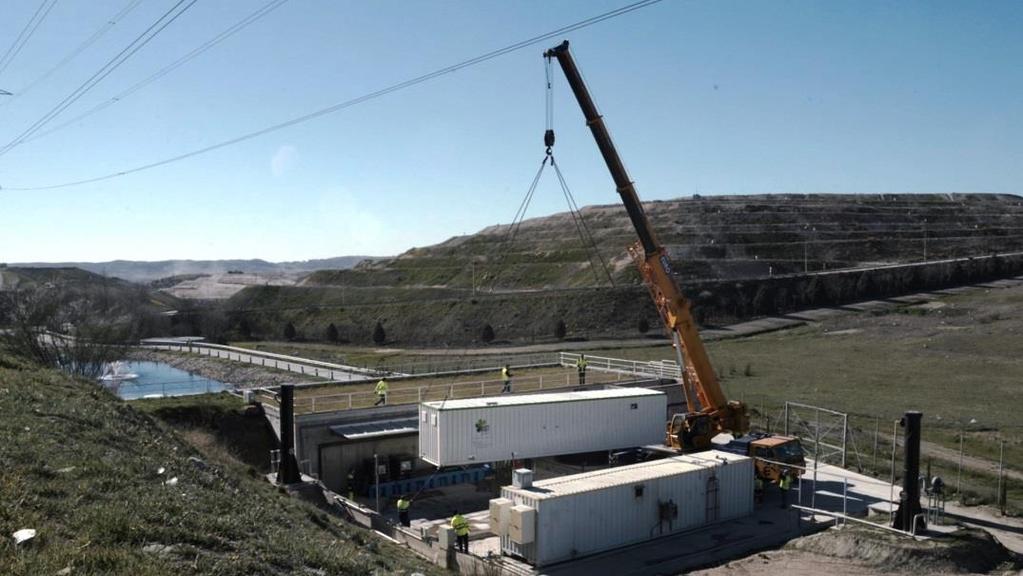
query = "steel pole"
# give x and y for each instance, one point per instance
(873, 460)
(891, 496)
(959, 473)
(376, 481)
(1001, 472)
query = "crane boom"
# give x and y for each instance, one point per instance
(714, 413)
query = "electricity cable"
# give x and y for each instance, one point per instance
(140, 41)
(26, 33)
(357, 100)
(75, 52)
(224, 35)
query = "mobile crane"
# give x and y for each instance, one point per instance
(709, 412)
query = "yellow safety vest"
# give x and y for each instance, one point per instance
(381, 388)
(505, 374)
(580, 364)
(785, 482)
(460, 525)
(403, 504)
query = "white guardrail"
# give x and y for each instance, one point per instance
(327, 370)
(659, 368)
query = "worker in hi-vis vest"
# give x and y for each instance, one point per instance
(461, 526)
(403, 505)
(506, 377)
(580, 366)
(381, 392)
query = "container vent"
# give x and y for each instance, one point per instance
(522, 478)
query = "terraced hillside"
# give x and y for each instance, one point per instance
(725, 237)
(736, 257)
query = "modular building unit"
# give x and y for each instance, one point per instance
(597, 511)
(457, 432)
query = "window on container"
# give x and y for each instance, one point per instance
(634, 406)
(637, 490)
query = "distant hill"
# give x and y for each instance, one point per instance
(710, 238)
(735, 257)
(141, 271)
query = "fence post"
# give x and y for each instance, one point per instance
(349, 400)
(959, 474)
(313, 405)
(873, 463)
(541, 381)
(481, 388)
(419, 392)
(1001, 472)
(845, 438)
(786, 418)
(845, 498)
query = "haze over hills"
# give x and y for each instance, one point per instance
(142, 271)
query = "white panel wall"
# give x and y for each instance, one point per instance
(502, 432)
(574, 525)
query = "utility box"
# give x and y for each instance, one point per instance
(522, 478)
(571, 516)
(522, 528)
(500, 515)
(445, 536)
(495, 429)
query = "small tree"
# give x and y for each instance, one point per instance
(332, 334)
(289, 332)
(643, 326)
(487, 336)
(379, 336)
(560, 330)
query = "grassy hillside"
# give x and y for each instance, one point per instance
(421, 317)
(83, 469)
(712, 237)
(957, 360)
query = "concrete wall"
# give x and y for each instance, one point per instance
(337, 458)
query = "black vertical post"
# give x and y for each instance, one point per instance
(909, 500)
(287, 472)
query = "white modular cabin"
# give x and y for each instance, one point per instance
(499, 428)
(564, 518)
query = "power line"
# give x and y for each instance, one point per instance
(141, 40)
(238, 26)
(78, 50)
(26, 33)
(360, 99)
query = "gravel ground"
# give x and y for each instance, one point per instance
(236, 373)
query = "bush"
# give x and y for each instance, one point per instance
(332, 334)
(560, 330)
(643, 326)
(487, 336)
(379, 336)
(290, 332)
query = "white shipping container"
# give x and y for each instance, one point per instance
(493, 429)
(597, 511)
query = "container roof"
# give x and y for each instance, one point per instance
(549, 398)
(627, 475)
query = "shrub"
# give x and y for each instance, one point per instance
(560, 330)
(379, 336)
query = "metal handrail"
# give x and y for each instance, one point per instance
(659, 368)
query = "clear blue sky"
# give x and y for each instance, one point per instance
(708, 97)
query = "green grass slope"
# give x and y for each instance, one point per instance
(82, 468)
